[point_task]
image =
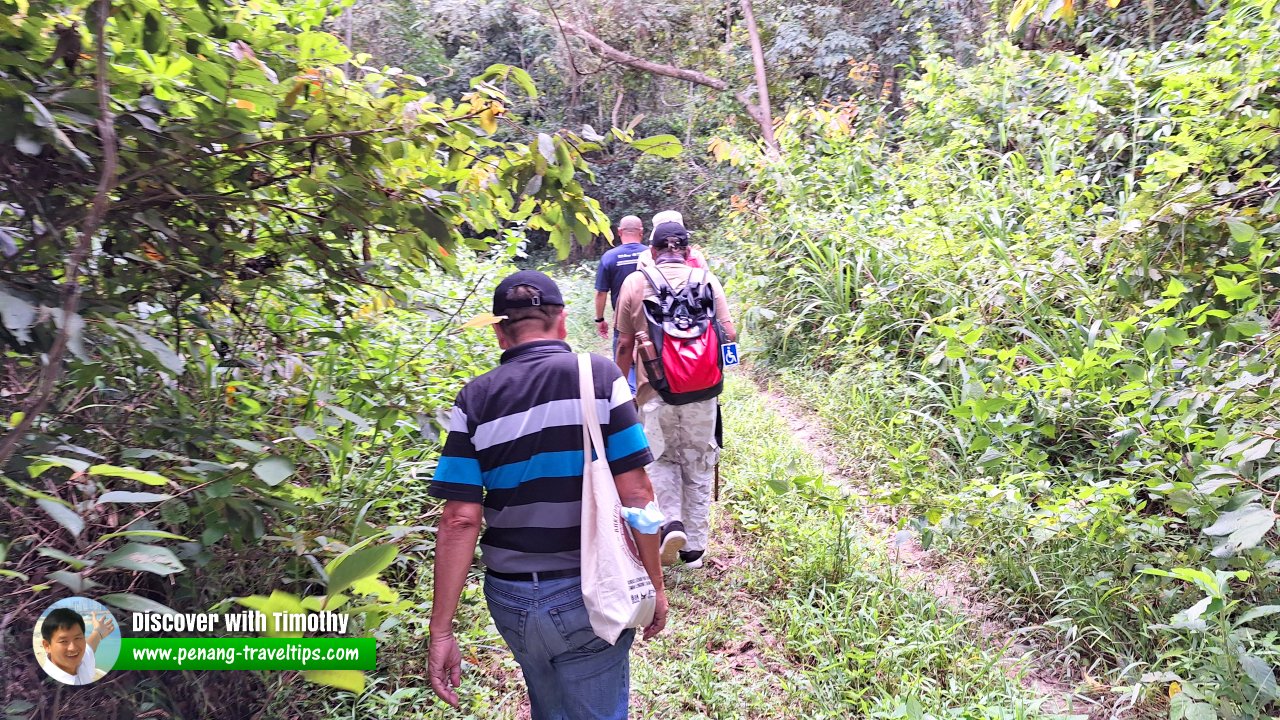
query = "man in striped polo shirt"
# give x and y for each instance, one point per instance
(514, 457)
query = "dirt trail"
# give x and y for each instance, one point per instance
(949, 579)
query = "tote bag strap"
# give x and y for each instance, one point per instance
(592, 438)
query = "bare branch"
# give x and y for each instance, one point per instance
(609, 52)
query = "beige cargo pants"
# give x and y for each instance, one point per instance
(682, 440)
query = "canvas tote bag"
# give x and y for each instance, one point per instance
(615, 586)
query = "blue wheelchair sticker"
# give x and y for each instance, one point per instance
(729, 354)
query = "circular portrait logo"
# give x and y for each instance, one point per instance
(76, 641)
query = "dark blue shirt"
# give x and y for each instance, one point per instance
(615, 266)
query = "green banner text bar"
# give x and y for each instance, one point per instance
(246, 654)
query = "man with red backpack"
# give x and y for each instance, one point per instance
(672, 319)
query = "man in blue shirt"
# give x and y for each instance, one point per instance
(615, 265)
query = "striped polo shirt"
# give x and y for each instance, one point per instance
(515, 444)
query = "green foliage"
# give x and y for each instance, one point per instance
(270, 317)
(1051, 293)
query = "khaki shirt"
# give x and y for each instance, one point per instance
(630, 318)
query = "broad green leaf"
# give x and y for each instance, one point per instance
(175, 513)
(664, 146)
(547, 148)
(1241, 232)
(375, 587)
(74, 562)
(525, 82)
(1257, 612)
(1154, 340)
(73, 581)
(1258, 451)
(1263, 677)
(1244, 528)
(27, 145)
(1233, 289)
(158, 534)
(252, 446)
(44, 462)
(1199, 711)
(65, 516)
(274, 470)
(136, 603)
(351, 680)
(120, 496)
(1247, 328)
(142, 476)
(141, 557)
(363, 563)
(1176, 288)
(17, 316)
(167, 358)
(1192, 617)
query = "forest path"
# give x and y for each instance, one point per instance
(952, 580)
(814, 607)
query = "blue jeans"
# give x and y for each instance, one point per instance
(631, 374)
(571, 673)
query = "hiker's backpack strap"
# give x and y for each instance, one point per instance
(657, 281)
(700, 281)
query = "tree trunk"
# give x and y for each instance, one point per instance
(762, 113)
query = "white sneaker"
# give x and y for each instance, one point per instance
(673, 541)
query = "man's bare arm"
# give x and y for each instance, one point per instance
(602, 327)
(626, 352)
(601, 297)
(455, 547)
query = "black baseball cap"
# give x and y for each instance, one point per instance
(670, 235)
(545, 292)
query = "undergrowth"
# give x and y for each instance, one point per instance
(1041, 310)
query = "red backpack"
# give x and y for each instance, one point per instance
(686, 336)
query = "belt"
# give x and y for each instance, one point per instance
(530, 577)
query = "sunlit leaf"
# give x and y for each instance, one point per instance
(482, 320)
(363, 563)
(141, 557)
(350, 680)
(142, 476)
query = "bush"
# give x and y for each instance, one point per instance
(1067, 266)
